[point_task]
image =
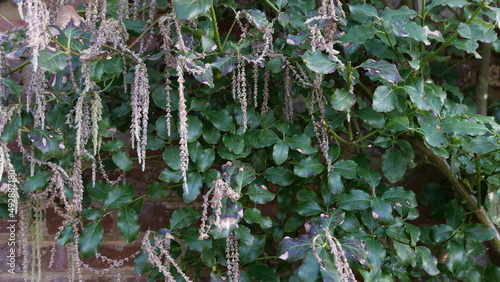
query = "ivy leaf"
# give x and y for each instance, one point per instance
(342, 100)
(319, 62)
(183, 217)
(37, 181)
(66, 236)
(224, 64)
(384, 99)
(382, 68)
(429, 262)
(393, 164)
(191, 9)
(221, 120)
(122, 160)
(280, 152)
(119, 196)
(262, 272)
(278, 175)
(52, 61)
(90, 240)
(128, 224)
(259, 194)
(308, 167)
(295, 248)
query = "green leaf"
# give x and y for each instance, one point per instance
(183, 217)
(371, 117)
(267, 138)
(119, 196)
(37, 181)
(238, 174)
(429, 262)
(319, 62)
(48, 142)
(90, 239)
(170, 176)
(221, 120)
(92, 214)
(250, 252)
(346, 168)
(191, 238)
(307, 208)
(191, 9)
(301, 143)
(376, 252)
(194, 182)
(259, 194)
(206, 159)
(342, 100)
(370, 176)
(464, 127)
(279, 175)
(385, 70)
(128, 224)
(66, 236)
(309, 269)
(52, 61)
(440, 233)
(234, 143)
(401, 15)
(280, 152)
(157, 190)
(308, 168)
(384, 99)
(112, 145)
(262, 272)
(405, 253)
(479, 232)
(122, 160)
(449, 3)
(393, 164)
(381, 210)
(359, 34)
(295, 248)
(225, 64)
(194, 128)
(253, 215)
(172, 156)
(10, 129)
(355, 200)
(454, 214)
(258, 17)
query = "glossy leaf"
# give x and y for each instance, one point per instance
(262, 272)
(393, 164)
(385, 70)
(259, 194)
(384, 99)
(122, 160)
(191, 9)
(319, 62)
(280, 152)
(119, 196)
(183, 217)
(37, 181)
(279, 175)
(308, 168)
(90, 239)
(128, 224)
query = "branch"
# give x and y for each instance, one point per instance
(457, 185)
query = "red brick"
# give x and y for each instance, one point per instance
(114, 250)
(154, 216)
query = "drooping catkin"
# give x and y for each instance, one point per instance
(140, 108)
(37, 19)
(183, 129)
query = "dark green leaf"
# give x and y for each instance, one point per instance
(309, 269)
(376, 252)
(191, 9)
(280, 152)
(224, 64)
(112, 145)
(355, 200)
(183, 217)
(191, 239)
(384, 99)
(307, 208)
(335, 183)
(267, 138)
(37, 181)
(371, 177)
(250, 252)
(295, 248)
(253, 215)
(194, 128)
(346, 168)
(440, 233)
(393, 164)
(119, 196)
(194, 183)
(319, 62)
(66, 236)
(279, 175)
(381, 210)
(172, 156)
(308, 167)
(262, 272)
(259, 194)
(234, 143)
(301, 143)
(128, 224)
(464, 127)
(90, 239)
(342, 100)
(206, 159)
(92, 214)
(10, 129)
(170, 176)
(157, 190)
(221, 120)
(48, 142)
(454, 214)
(479, 232)
(429, 262)
(383, 69)
(52, 61)
(122, 160)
